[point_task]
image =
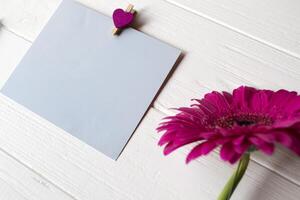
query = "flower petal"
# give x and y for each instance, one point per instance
(167, 137)
(239, 140)
(242, 148)
(266, 147)
(201, 149)
(279, 101)
(219, 102)
(260, 100)
(284, 139)
(247, 117)
(241, 97)
(227, 152)
(235, 158)
(175, 143)
(293, 107)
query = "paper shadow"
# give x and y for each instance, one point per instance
(267, 184)
(139, 20)
(1, 24)
(178, 61)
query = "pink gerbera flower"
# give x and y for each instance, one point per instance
(248, 119)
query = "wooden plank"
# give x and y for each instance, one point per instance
(216, 58)
(141, 172)
(221, 59)
(26, 18)
(12, 50)
(17, 181)
(7, 192)
(20, 183)
(275, 23)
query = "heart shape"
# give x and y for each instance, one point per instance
(122, 18)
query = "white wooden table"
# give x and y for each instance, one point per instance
(226, 44)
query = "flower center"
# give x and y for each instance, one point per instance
(243, 119)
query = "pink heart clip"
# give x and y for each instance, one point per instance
(122, 19)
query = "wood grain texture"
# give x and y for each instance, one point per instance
(23, 17)
(20, 183)
(275, 23)
(217, 57)
(12, 49)
(141, 173)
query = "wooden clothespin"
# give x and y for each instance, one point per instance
(123, 19)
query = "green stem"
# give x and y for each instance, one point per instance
(235, 178)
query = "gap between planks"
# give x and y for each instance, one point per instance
(164, 113)
(218, 22)
(251, 158)
(231, 29)
(37, 173)
(129, 156)
(3, 27)
(160, 110)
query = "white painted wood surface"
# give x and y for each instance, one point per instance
(226, 44)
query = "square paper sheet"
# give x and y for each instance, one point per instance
(93, 85)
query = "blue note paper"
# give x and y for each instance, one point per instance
(88, 82)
